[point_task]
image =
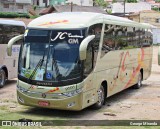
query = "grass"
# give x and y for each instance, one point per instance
(3, 107)
(33, 17)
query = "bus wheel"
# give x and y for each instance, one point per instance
(2, 78)
(139, 83)
(101, 98)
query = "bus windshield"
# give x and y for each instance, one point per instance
(51, 55)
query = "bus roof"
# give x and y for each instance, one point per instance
(79, 20)
(12, 22)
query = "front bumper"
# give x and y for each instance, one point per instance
(70, 103)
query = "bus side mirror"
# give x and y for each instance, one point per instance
(11, 42)
(84, 45)
(159, 56)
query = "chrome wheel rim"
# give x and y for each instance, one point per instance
(139, 80)
(100, 96)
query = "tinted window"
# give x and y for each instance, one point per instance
(93, 48)
(147, 38)
(122, 37)
(8, 31)
(108, 39)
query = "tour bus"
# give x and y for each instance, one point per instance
(73, 60)
(8, 65)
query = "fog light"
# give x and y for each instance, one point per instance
(71, 104)
(20, 99)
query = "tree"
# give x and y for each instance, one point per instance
(157, 1)
(101, 3)
(114, 1)
(131, 1)
(126, 1)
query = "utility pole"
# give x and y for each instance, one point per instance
(14, 5)
(81, 2)
(93, 2)
(139, 16)
(124, 7)
(71, 6)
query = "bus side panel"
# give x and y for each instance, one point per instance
(89, 90)
(147, 62)
(11, 62)
(121, 68)
(109, 75)
(2, 53)
(107, 69)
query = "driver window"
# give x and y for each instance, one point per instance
(93, 48)
(96, 30)
(89, 60)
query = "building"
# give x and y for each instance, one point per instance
(74, 8)
(81, 2)
(40, 3)
(127, 8)
(109, 1)
(149, 17)
(45, 3)
(57, 2)
(20, 6)
(146, 16)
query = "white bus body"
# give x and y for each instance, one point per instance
(8, 64)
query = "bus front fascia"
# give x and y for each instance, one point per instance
(11, 42)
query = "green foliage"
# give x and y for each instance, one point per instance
(131, 1)
(13, 15)
(109, 11)
(34, 7)
(114, 1)
(101, 3)
(127, 1)
(157, 1)
(33, 17)
(155, 9)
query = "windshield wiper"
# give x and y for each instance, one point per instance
(35, 70)
(54, 62)
(40, 62)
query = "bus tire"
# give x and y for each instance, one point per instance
(139, 82)
(101, 98)
(2, 78)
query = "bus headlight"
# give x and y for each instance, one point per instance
(20, 99)
(21, 89)
(72, 93)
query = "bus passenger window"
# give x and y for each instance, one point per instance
(108, 44)
(108, 39)
(147, 38)
(120, 37)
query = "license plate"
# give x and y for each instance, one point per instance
(43, 103)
